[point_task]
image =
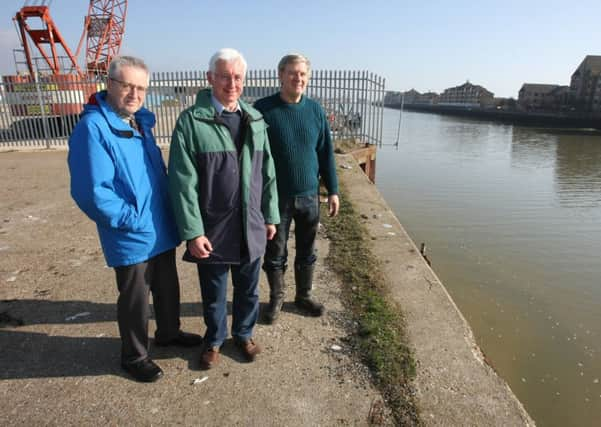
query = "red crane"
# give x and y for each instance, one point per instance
(103, 30)
(61, 84)
(104, 25)
(48, 34)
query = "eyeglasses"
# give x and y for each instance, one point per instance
(226, 78)
(127, 87)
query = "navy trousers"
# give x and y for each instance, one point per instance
(245, 305)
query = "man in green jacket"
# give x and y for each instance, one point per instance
(224, 195)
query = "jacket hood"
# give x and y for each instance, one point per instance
(97, 103)
(203, 108)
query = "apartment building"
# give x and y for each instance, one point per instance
(585, 85)
(538, 96)
(468, 95)
(410, 97)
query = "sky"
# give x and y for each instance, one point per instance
(427, 45)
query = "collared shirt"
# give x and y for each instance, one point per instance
(130, 120)
(219, 106)
(231, 119)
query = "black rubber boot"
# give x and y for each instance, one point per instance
(303, 276)
(277, 291)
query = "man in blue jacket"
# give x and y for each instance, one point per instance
(119, 180)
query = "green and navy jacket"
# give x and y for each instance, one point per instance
(217, 192)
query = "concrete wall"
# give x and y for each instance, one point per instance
(454, 384)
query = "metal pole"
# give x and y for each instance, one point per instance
(42, 112)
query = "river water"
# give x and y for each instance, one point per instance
(511, 217)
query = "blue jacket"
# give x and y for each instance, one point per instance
(119, 179)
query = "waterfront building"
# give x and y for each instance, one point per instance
(392, 98)
(585, 85)
(542, 97)
(410, 97)
(467, 95)
(597, 98)
(427, 98)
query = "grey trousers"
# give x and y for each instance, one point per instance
(159, 276)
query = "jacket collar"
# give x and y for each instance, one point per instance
(97, 101)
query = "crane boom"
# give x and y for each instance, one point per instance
(54, 84)
(49, 35)
(105, 25)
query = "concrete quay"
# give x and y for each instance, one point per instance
(455, 386)
(59, 343)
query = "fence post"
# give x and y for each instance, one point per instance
(42, 112)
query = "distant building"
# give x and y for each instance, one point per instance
(561, 96)
(392, 98)
(410, 97)
(597, 98)
(585, 85)
(468, 95)
(541, 97)
(505, 103)
(426, 98)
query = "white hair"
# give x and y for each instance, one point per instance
(118, 62)
(228, 55)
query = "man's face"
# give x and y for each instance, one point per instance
(127, 90)
(227, 82)
(294, 79)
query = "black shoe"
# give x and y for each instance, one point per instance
(272, 312)
(145, 370)
(309, 306)
(182, 339)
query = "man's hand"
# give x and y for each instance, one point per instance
(200, 247)
(270, 231)
(333, 204)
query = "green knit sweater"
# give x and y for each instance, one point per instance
(301, 145)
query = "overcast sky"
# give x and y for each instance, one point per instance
(432, 45)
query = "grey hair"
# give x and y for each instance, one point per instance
(293, 58)
(119, 62)
(228, 55)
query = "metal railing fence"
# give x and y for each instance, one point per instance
(42, 114)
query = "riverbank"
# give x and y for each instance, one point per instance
(453, 384)
(554, 120)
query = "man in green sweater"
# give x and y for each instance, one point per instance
(302, 149)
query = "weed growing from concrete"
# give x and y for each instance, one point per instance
(380, 337)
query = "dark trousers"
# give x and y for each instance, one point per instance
(159, 276)
(245, 305)
(304, 210)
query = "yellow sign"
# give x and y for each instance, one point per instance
(33, 110)
(30, 87)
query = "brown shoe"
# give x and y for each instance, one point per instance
(249, 349)
(209, 358)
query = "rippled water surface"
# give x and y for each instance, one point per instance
(512, 220)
